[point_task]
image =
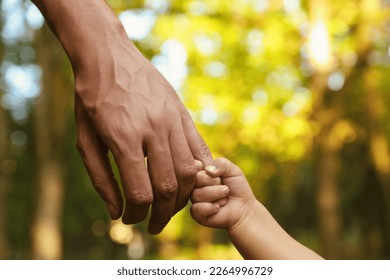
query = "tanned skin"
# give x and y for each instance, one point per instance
(124, 105)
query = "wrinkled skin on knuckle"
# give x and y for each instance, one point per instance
(204, 150)
(166, 189)
(187, 174)
(139, 198)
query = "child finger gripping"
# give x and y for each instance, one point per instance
(222, 195)
(222, 198)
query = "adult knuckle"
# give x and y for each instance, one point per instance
(98, 183)
(167, 188)
(188, 173)
(139, 198)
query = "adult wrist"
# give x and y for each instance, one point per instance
(88, 30)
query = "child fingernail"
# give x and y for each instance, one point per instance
(199, 165)
(211, 168)
(225, 191)
(223, 201)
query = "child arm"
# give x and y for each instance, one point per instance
(251, 228)
(259, 236)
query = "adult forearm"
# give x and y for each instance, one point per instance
(124, 105)
(88, 30)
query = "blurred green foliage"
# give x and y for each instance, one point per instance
(250, 82)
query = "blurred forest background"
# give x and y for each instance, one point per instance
(295, 92)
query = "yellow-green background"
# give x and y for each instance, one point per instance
(294, 92)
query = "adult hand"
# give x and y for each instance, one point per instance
(134, 112)
(124, 105)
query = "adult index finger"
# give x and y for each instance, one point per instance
(95, 158)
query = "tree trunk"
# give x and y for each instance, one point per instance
(4, 178)
(327, 168)
(4, 183)
(380, 157)
(326, 114)
(377, 193)
(51, 122)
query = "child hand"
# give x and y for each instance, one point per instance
(217, 193)
(221, 202)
